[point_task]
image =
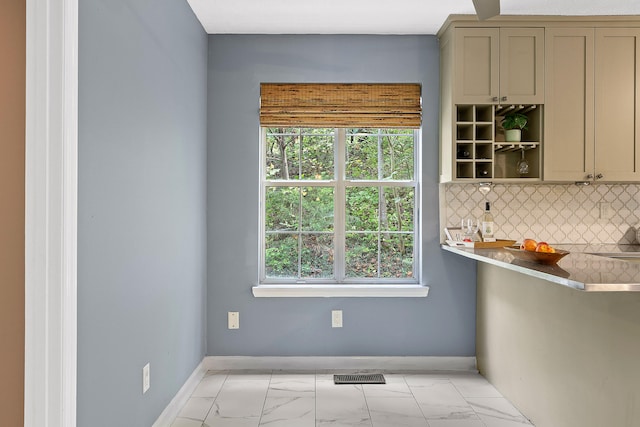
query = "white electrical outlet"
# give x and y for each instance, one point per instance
(336, 318)
(146, 378)
(605, 210)
(234, 320)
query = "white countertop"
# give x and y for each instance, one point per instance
(579, 270)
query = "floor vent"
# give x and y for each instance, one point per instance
(359, 379)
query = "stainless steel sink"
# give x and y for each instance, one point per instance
(622, 252)
(623, 256)
(626, 257)
(630, 259)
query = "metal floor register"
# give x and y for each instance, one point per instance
(359, 379)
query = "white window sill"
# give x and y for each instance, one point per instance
(326, 291)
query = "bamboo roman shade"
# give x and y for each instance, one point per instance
(394, 105)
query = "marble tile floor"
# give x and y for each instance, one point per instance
(282, 399)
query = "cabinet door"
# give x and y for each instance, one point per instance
(617, 107)
(522, 65)
(476, 65)
(569, 108)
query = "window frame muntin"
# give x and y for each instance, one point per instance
(340, 214)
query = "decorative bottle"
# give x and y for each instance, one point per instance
(488, 228)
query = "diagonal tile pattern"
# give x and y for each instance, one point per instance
(554, 213)
(280, 399)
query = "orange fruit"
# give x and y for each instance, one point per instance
(529, 245)
(544, 247)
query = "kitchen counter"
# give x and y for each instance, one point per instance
(581, 269)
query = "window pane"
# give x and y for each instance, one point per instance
(377, 218)
(362, 154)
(317, 256)
(282, 154)
(281, 255)
(399, 207)
(361, 255)
(396, 256)
(317, 209)
(282, 208)
(397, 154)
(362, 208)
(365, 131)
(317, 154)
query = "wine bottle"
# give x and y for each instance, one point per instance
(488, 228)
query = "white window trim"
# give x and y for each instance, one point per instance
(326, 291)
(351, 287)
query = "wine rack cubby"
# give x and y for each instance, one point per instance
(480, 150)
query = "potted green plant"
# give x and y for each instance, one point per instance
(513, 125)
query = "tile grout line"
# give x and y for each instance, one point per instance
(404, 378)
(366, 402)
(226, 375)
(264, 402)
(468, 403)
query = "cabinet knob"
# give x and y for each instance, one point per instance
(494, 99)
(590, 176)
(504, 98)
(599, 176)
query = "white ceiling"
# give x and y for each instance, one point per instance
(373, 16)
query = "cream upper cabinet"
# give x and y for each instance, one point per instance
(476, 65)
(499, 66)
(485, 74)
(617, 76)
(569, 107)
(592, 105)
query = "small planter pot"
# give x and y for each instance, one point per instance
(513, 135)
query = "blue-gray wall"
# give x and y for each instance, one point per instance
(142, 204)
(442, 324)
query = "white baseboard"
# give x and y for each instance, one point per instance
(359, 363)
(171, 411)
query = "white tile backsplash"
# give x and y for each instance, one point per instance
(554, 213)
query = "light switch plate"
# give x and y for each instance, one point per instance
(234, 320)
(146, 378)
(336, 318)
(605, 210)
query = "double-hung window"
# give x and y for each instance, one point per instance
(339, 204)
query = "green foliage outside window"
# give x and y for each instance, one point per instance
(299, 219)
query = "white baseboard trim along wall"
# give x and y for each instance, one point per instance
(171, 411)
(359, 363)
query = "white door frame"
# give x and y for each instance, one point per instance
(51, 213)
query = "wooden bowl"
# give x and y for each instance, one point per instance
(545, 258)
